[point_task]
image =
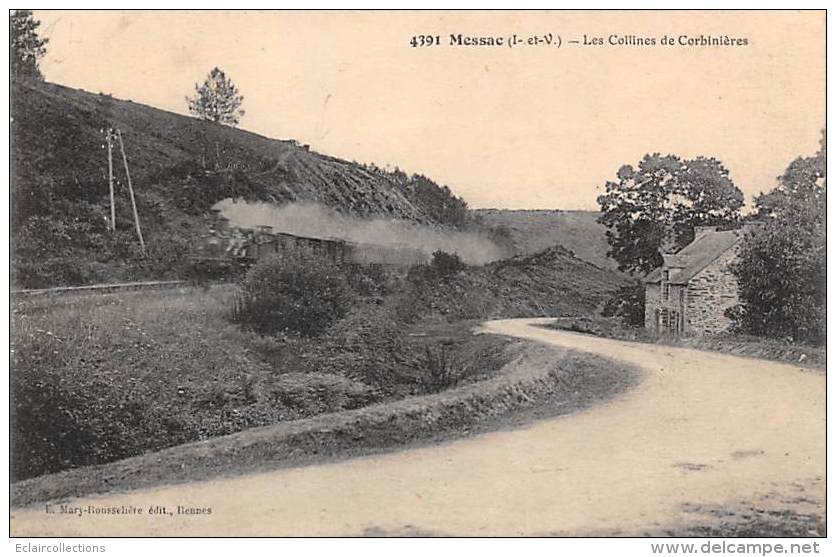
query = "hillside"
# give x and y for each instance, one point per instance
(535, 230)
(180, 166)
(553, 282)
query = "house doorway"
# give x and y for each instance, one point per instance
(669, 321)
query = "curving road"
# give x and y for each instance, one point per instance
(701, 430)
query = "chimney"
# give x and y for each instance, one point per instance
(700, 231)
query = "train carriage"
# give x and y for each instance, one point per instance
(225, 247)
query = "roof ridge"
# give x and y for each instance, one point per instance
(700, 253)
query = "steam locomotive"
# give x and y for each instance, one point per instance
(233, 248)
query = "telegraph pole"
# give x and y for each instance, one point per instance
(110, 179)
(131, 190)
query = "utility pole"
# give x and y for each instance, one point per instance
(131, 190)
(110, 179)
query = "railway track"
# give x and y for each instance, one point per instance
(97, 288)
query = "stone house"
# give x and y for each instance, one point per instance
(693, 288)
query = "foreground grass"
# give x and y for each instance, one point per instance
(538, 381)
(122, 373)
(98, 378)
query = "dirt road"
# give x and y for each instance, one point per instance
(702, 430)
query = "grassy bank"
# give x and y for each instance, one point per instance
(97, 378)
(539, 380)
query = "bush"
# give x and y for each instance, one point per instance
(59, 424)
(366, 346)
(627, 303)
(442, 266)
(75, 247)
(441, 371)
(292, 294)
(368, 279)
(783, 287)
(194, 189)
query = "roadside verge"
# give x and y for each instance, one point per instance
(544, 379)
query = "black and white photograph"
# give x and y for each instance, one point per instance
(418, 273)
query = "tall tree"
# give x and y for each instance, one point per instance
(25, 46)
(217, 99)
(781, 268)
(655, 207)
(800, 196)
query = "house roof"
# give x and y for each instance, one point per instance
(675, 261)
(697, 255)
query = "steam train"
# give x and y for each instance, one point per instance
(226, 248)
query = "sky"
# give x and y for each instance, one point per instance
(523, 127)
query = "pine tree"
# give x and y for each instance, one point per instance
(217, 100)
(25, 47)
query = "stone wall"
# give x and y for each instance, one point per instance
(652, 302)
(672, 309)
(709, 294)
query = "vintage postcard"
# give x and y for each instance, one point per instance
(418, 273)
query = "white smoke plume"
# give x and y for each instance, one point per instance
(319, 221)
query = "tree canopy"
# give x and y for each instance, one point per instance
(217, 99)
(25, 46)
(781, 269)
(655, 207)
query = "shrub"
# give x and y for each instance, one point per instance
(194, 189)
(59, 423)
(366, 346)
(783, 287)
(367, 280)
(627, 303)
(440, 369)
(442, 266)
(292, 294)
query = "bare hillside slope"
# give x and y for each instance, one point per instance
(180, 166)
